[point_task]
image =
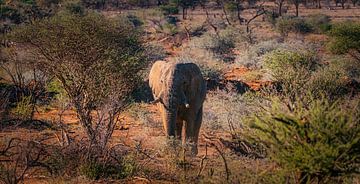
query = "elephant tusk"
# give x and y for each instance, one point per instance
(155, 101)
(158, 98)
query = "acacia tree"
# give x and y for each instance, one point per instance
(97, 61)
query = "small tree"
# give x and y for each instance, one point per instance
(97, 61)
(345, 38)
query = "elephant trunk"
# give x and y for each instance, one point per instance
(170, 122)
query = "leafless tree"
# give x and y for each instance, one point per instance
(24, 78)
(18, 157)
(279, 4)
(296, 3)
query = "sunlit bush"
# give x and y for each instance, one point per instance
(318, 142)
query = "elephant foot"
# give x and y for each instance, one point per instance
(194, 152)
(193, 149)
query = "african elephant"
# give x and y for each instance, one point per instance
(180, 90)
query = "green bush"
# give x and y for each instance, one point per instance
(76, 8)
(97, 170)
(136, 21)
(345, 38)
(319, 23)
(318, 142)
(330, 81)
(286, 25)
(24, 108)
(169, 9)
(170, 29)
(291, 69)
(94, 4)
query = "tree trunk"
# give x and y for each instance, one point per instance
(238, 8)
(280, 8)
(297, 10)
(184, 15)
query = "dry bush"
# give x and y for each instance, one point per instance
(223, 43)
(23, 84)
(254, 56)
(19, 158)
(219, 110)
(286, 25)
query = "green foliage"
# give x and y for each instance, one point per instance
(61, 98)
(97, 170)
(136, 21)
(94, 4)
(76, 8)
(24, 108)
(139, 3)
(170, 29)
(319, 23)
(169, 9)
(298, 74)
(345, 38)
(330, 81)
(285, 25)
(27, 10)
(317, 141)
(291, 69)
(230, 6)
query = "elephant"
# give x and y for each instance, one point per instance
(179, 91)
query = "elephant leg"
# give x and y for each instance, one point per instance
(197, 125)
(193, 124)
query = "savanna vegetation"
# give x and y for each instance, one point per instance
(282, 104)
